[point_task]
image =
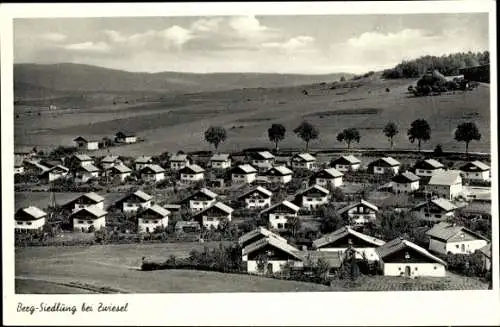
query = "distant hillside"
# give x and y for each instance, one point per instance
(32, 80)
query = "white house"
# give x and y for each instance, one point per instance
(125, 137)
(212, 216)
(257, 197)
(86, 172)
(263, 160)
(90, 199)
(34, 167)
(384, 165)
(220, 161)
(279, 214)
(435, 210)
(303, 161)
(400, 257)
(346, 163)
(135, 201)
(278, 175)
(54, 173)
(448, 238)
(258, 234)
(192, 174)
(120, 171)
(83, 143)
(82, 160)
(359, 212)
(446, 184)
(201, 199)
(428, 167)
(152, 218)
(180, 161)
(152, 173)
(109, 161)
(345, 237)
(243, 174)
(29, 218)
(406, 183)
(142, 161)
(86, 217)
(312, 197)
(476, 170)
(328, 176)
(276, 252)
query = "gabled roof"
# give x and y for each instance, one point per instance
(486, 250)
(332, 172)
(399, 244)
(286, 203)
(314, 187)
(192, 169)
(478, 165)
(263, 155)
(220, 157)
(83, 157)
(405, 177)
(93, 196)
(125, 134)
(143, 159)
(303, 157)
(158, 209)
(350, 159)
(258, 189)
(88, 168)
(36, 164)
(179, 157)
(259, 231)
(246, 168)
(122, 168)
(283, 246)
(33, 211)
(444, 204)
(154, 168)
(445, 231)
(362, 202)
(109, 159)
(205, 191)
(388, 161)
(431, 163)
(80, 138)
(281, 170)
(448, 177)
(219, 205)
(92, 210)
(142, 195)
(59, 167)
(342, 232)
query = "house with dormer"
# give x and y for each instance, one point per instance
(428, 167)
(476, 170)
(435, 210)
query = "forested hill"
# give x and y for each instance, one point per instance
(448, 65)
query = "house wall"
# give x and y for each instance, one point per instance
(439, 216)
(383, 170)
(445, 191)
(279, 179)
(190, 178)
(370, 253)
(405, 187)
(278, 220)
(257, 203)
(304, 165)
(276, 264)
(92, 145)
(53, 177)
(314, 202)
(221, 164)
(209, 221)
(477, 175)
(456, 247)
(427, 172)
(30, 224)
(417, 269)
(84, 177)
(153, 177)
(176, 165)
(139, 166)
(107, 165)
(130, 139)
(361, 216)
(134, 206)
(148, 225)
(122, 176)
(79, 206)
(335, 182)
(195, 205)
(243, 178)
(486, 262)
(79, 223)
(263, 164)
(344, 168)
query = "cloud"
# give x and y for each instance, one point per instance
(206, 25)
(54, 37)
(294, 43)
(369, 40)
(176, 35)
(88, 47)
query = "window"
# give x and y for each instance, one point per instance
(280, 225)
(155, 222)
(438, 216)
(416, 268)
(19, 222)
(80, 221)
(145, 221)
(399, 268)
(458, 246)
(261, 201)
(435, 267)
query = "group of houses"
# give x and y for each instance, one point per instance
(89, 144)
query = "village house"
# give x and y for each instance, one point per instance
(109, 161)
(328, 176)
(243, 174)
(278, 175)
(34, 167)
(142, 161)
(86, 217)
(80, 160)
(446, 184)
(485, 253)
(84, 144)
(220, 161)
(406, 183)
(173, 208)
(359, 212)
(134, 202)
(476, 170)
(86, 172)
(125, 137)
(303, 161)
(120, 171)
(257, 197)
(263, 160)
(346, 163)
(345, 237)
(192, 174)
(152, 173)
(18, 166)
(257, 234)
(200, 200)
(152, 218)
(384, 165)
(179, 161)
(435, 210)
(90, 199)
(30, 218)
(212, 216)
(54, 173)
(279, 214)
(401, 257)
(449, 238)
(312, 197)
(428, 167)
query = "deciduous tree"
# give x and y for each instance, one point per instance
(276, 134)
(307, 132)
(348, 136)
(467, 132)
(391, 130)
(215, 135)
(419, 131)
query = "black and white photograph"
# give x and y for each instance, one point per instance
(311, 153)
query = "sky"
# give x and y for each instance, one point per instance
(318, 44)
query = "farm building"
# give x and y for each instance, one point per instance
(428, 167)
(446, 184)
(152, 173)
(179, 161)
(384, 165)
(84, 201)
(109, 161)
(359, 212)
(18, 166)
(151, 218)
(401, 257)
(186, 226)
(477, 73)
(446, 238)
(120, 171)
(345, 237)
(192, 174)
(405, 183)
(142, 161)
(84, 144)
(346, 163)
(200, 200)
(54, 173)
(256, 235)
(278, 175)
(243, 174)
(212, 216)
(312, 197)
(29, 218)
(435, 210)
(303, 161)
(135, 201)
(270, 255)
(485, 252)
(476, 170)
(263, 160)
(258, 197)
(328, 176)
(125, 137)
(220, 161)
(279, 214)
(86, 172)
(86, 217)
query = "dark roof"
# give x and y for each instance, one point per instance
(192, 169)
(475, 166)
(125, 134)
(385, 162)
(351, 160)
(399, 244)
(30, 213)
(406, 177)
(428, 164)
(361, 202)
(346, 230)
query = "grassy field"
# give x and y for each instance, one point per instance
(178, 123)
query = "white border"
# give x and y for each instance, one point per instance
(356, 308)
